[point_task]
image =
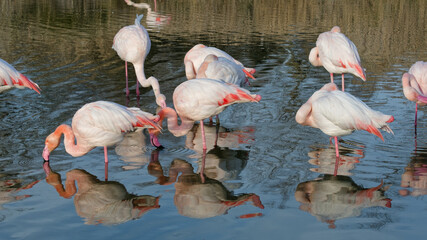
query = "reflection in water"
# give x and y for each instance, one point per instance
(324, 159)
(105, 202)
(154, 19)
(330, 198)
(199, 196)
(132, 149)
(415, 175)
(9, 188)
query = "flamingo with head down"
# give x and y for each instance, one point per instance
(132, 44)
(199, 99)
(337, 54)
(11, 78)
(414, 84)
(97, 124)
(339, 113)
(195, 57)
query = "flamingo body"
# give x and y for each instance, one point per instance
(11, 78)
(337, 54)
(338, 113)
(96, 124)
(132, 44)
(195, 57)
(223, 69)
(198, 99)
(415, 83)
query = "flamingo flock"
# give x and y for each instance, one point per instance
(215, 81)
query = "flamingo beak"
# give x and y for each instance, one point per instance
(46, 153)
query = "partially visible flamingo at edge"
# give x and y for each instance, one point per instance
(11, 78)
(414, 84)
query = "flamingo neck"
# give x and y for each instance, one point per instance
(140, 74)
(172, 117)
(71, 147)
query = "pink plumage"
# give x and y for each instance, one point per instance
(337, 54)
(11, 78)
(195, 57)
(338, 113)
(132, 44)
(414, 84)
(97, 124)
(223, 69)
(198, 99)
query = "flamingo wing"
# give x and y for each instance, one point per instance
(103, 123)
(223, 69)
(419, 71)
(199, 99)
(10, 77)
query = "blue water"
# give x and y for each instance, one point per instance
(268, 176)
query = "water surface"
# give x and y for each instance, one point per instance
(267, 176)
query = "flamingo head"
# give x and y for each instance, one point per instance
(161, 100)
(51, 143)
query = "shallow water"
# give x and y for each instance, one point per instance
(268, 176)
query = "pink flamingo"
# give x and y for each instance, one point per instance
(414, 85)
(10, 78)
(338, 113)
(223, 69)
(133, 44)
(198, 99)
(96, 124)
(337, 54)
(195, 57)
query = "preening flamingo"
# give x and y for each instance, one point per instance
(195, 57)
(414, 84)
(97, 124)
(337, 54)
(10, 78)
(133, 44)
(223, 69)
(198, 99)
(339, 113)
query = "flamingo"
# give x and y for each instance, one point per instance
(414, 85)
(10, 78)
(196, 100)
(337, 54)
(223, 69)
(195, 57)
(133, 44)
(100, 123)
(338, 113)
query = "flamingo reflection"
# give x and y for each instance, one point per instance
(132, 149)
(100, 202)
(325, 160)
(330, 198)
(153, 19)
(9, 189)
(415, 175)
(197, 196)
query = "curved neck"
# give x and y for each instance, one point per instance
(71, 147)
(140, 74)
(172, 117)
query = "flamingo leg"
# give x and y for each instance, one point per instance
(127, 85)
(416, 112)
(337, 159)
(217, 120)
(202, 169)
(106, 171)
(105, 154)
(203, 135)
(332, 78)
(342, 82)
(137, 88)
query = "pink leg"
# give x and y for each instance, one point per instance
(137, 88)
(105, 154)
(127, 85)
(332, 78)
(416, 112)
(343, 82)
(203, 135)
(337, 159)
